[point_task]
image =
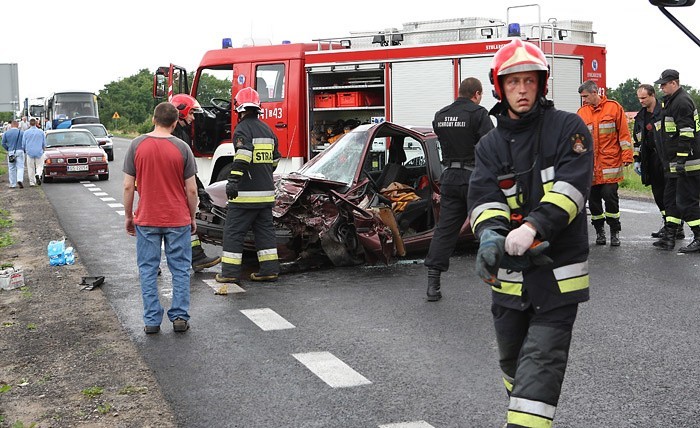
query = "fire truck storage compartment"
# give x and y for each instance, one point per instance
(419, 89)
(342, 97)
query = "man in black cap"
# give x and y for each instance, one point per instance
(679, 131)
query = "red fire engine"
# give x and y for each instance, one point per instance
(312, 92)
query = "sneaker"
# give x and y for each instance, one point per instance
(20, 185)
(221, 278)
(38, 180)
(151, 329)
(263, 278)
(180, 325)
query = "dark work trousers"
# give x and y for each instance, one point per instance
(453, 213)
(682, 199)
(608, 193)
(657, 180)
(534, 351)
(238, 222)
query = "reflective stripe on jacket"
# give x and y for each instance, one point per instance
(679, 131)
(612, 143)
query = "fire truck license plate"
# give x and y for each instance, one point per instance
(72, 168)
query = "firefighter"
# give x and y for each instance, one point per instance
(647, 158)
(251, 194)
(458, 127)
(527, 195)
(187, 106)
(607, 123)
(679, 131)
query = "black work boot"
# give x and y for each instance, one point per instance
(434, 293)
(694, 246)
(661, 231)
(614, 238)
(200, 259)
(667, 241)
(600, 236)
(679, 232)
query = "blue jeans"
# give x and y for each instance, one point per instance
(15, 170)
(179, 256)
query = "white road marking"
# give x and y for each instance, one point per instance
(100, 193)
(629, 210)
(115, 205)
(267, 319)
(120, 212)
(87, 184)
(331, 370)
(94, 189)
(416, 424)
(232, 288)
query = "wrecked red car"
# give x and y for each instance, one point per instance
(371, 196)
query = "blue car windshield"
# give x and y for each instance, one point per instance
(339, 162)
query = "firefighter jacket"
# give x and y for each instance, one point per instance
(256, 157)
(459, 126)
(646, 146)
(612, 144)
(679, 131)
(538, 167)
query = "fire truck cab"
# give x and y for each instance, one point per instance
(312, 93)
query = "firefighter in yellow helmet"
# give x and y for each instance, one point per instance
(527, 196)
(251, 193)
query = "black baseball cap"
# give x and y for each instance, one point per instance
(667, 76)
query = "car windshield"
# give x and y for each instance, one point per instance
(340, 161)
(64, 139)
(97, 130)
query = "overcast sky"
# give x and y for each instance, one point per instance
(86, 44)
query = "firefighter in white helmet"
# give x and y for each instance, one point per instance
(251, 194)
(527, 196)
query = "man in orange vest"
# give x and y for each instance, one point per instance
(612, 149)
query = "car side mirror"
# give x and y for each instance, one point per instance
(110, 135)
(672, 3)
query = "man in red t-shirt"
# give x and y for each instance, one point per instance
(165, 170)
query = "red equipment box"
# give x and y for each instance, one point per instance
(350, 99)
(373, 99)
(324, 100)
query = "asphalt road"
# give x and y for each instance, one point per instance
(360, 347)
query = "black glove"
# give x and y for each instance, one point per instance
(534, 256)
(680, 166)
(488, 258)
(205, 202)
(232, 189)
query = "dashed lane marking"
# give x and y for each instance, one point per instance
(331, 370)
(115, 205)
(100, 193)
(232, 288)
(267, 319)
(120, 212)
(416, 424)
(87, 184)
(94, 189)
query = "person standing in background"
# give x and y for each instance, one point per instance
(23, 124)
(12, 142)
(459, 126)
(34, 142)
(612, 147)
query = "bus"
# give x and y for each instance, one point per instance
(64, 109)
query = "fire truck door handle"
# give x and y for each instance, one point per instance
(280, 125)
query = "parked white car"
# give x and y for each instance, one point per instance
(104, 139)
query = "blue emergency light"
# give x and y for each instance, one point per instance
(514, 30)
(226, 43)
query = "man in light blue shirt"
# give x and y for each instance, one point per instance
(12, 142)
(34, 142)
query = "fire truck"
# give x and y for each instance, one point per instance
(311, 93)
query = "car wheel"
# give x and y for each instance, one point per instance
(225, 172)
(110, 156)
(103, 177)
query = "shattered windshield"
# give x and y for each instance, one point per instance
(340, 161)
